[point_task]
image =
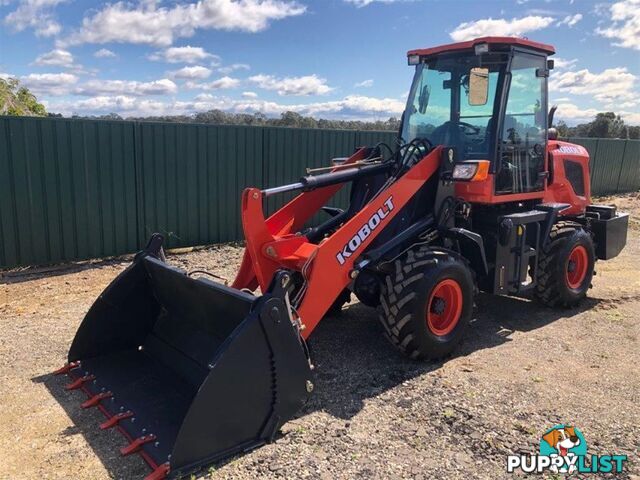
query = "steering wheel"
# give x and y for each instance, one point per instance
(466, 127)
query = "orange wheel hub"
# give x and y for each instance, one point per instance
(444, 307)
(577, 267)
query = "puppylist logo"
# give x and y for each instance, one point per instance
(563, 449)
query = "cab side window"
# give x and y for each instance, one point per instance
(523, 133)
(478, 142)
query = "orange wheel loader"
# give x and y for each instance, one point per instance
(477, 195)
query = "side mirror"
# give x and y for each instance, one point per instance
(478, 86)
(423, 99)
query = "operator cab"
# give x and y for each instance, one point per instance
(487, 98)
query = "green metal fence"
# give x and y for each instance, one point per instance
(614, 164)
(79, 189)
(67, 190)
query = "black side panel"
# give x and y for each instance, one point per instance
(119, 319)
(258, 382)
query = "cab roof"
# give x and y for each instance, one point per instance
(492, 41)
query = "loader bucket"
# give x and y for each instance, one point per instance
(189, 370)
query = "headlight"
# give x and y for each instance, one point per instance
(414, 59)
(464, 171)
(475, 171)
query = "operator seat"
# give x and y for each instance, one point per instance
(447, 134)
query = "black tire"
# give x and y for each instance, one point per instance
(554, 267)
(407, 294)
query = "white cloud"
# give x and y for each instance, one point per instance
(563, 63)
(119, 103)
(50, 83)
(57, 58)
(307, 85)
(61, 58)
(612, 84)
(625, 26)
(197, 72)
(48, 28)
(354, 105)
(36, 14)
(249, 95)
(350, 107)
(126, 87)
(187, 54)
(104, 53)
(631, 118)
(553, 100)
(223, 83)
(147, 23)
(573, 113)
(364, 84)
(570, 20)
(499, 27)
(364, 3)
(233, 67)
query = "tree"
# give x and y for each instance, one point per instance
(604, 125)
(563, 129)
(607, 125)
(17, 100)
(286, 119)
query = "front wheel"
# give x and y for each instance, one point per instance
(426, 303)
(566, 266)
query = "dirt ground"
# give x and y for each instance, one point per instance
(374, 414)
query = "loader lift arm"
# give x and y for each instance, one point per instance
(272, 243)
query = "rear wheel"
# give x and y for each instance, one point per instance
(566, 266)
(426, 304)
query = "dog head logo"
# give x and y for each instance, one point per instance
(563, 449)
(564, 441)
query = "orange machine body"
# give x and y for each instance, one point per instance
(567, 181)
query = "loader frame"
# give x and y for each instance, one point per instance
(329, 265)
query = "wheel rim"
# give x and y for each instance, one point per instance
(577, 266)
(444, 307)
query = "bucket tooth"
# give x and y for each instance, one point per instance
(67, 368)
(96, 399)
(159, 473)
(79, 382)
(137, 444)
(113, 421)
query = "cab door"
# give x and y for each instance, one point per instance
(523, 131)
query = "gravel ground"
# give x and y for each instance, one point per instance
(521, 369)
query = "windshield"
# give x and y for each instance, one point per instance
(439, 107)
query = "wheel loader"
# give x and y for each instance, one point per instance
(478, 194)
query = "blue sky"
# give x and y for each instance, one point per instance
(327, 58)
